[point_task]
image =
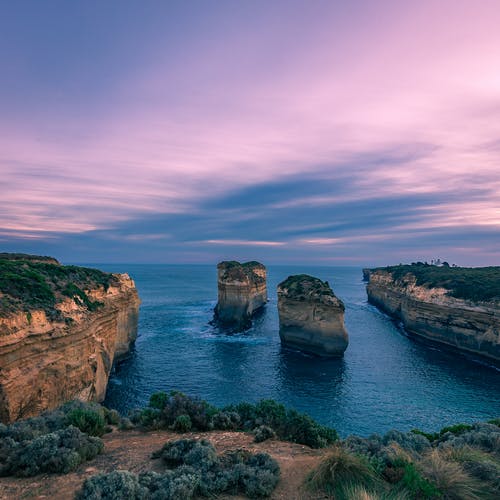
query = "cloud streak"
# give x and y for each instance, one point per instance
(281, 128)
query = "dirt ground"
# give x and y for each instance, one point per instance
(132, 450)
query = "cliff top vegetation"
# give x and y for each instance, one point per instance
(306, 287)
(470, 283)
(234, 270)
(30, 282)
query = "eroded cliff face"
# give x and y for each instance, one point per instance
(242, 290)
(311, 316)
(433, 314)
(45, 362)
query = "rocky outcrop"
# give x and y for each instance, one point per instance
(311, 316)
(48, 356)
(432, 313)
(242, 291)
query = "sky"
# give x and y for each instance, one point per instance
(327, 132)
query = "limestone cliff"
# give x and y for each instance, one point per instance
(425, 305)
(61, 329)
(242, 290)
(311, 316)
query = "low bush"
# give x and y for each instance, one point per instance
(288, 424)
(164, 409)
(182, 424)
(226, 421)
(59, 451)
(234, 472)
(188, 452)
(412, 483)
(89, 421)
(115, 485)
(171, 411)
(263, 433)
(112, 417)
(55, 441)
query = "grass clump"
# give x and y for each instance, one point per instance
(340, 471)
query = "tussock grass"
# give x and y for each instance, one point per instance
(341, 471)
(450, 478)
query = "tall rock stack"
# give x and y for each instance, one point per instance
(311, 316)
(242, 291)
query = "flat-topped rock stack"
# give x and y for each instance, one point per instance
(242, 291)
(311, 316)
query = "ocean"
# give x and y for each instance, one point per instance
(385, 379)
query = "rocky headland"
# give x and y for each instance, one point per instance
(458, 307)
(242, 291)
(61, 329)
(311, 316)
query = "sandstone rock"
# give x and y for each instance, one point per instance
(241, 292)
(435, 315)
(311, 316)
(50, 356)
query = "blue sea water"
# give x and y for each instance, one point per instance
(385, 379)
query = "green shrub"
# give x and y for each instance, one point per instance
(263, 433)
(150, 418)
(158, 400)
(112, 417)
(233, 472)
(60, 451)
(182, 424)
(88, 421)
(171, 485)
(188, 452)
(414, 483)
(116, 485)
(226, 421)
(456, 429)
(126, 424)
(288, 424)
(302, 429)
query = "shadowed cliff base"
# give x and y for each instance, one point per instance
(311, 316)
(242, 292)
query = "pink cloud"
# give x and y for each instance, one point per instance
(394, 75)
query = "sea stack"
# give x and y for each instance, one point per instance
(61, 329)
(311, 316)
(242, 291)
